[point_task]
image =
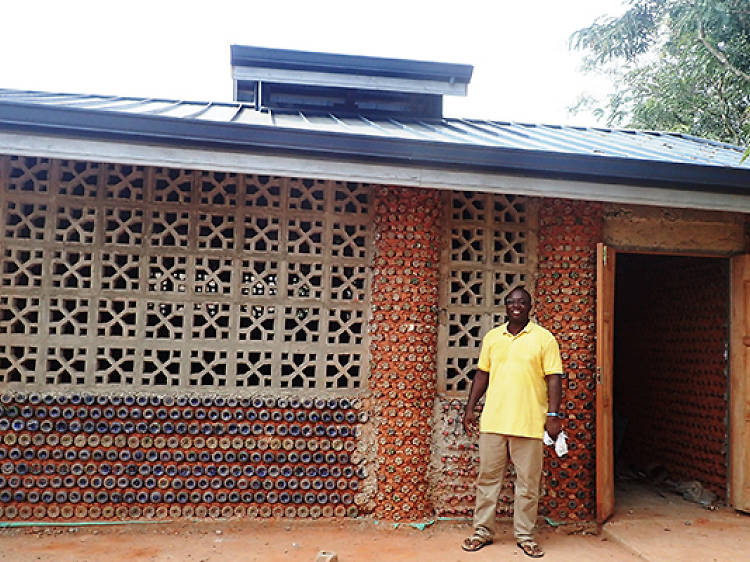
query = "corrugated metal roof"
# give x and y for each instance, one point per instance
(599, 154)
(642, 145)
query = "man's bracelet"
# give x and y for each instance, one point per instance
(555, 415)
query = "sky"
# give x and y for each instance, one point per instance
(523, 68)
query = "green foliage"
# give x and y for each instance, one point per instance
(677, 65)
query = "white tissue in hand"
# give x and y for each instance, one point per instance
(561, 445)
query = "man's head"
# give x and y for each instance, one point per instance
(518, 305)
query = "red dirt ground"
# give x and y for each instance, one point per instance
(268, 540)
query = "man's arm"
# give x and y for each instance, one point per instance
(554, 393)
(478, 388)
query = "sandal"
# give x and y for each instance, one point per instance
(475, 542)
(531, 548)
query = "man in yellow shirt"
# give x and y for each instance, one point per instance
(520, 369)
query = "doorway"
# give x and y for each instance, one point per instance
(670, 376)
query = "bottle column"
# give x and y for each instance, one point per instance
(403, 334)
(566, 305)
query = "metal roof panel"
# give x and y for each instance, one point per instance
(611, 154)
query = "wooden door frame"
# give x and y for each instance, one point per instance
(739, 384)
(605, 315)
(736, 320)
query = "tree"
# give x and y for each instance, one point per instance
(678, 65)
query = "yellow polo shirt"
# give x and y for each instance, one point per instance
(516, 401)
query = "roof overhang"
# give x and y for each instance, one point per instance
(386, 173)
(389, 152)
(334, 63)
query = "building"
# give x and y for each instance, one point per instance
(273, 307)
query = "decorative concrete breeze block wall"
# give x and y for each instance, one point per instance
(181, 343)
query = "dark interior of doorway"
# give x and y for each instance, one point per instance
(671, 376)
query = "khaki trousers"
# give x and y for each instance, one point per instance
(526, 454)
